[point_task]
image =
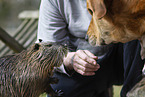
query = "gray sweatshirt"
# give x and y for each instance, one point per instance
(66, 21)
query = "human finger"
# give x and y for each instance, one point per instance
(85, 64)
(86, 68)
(84, 56)
(79, 69)
(88, 53)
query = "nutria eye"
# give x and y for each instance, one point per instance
(49, 45)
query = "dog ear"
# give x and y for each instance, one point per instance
(97, 7)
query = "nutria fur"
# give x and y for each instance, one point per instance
(29, 73)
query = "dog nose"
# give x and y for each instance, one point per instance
(102, 42)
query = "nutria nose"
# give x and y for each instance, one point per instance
(64, 44)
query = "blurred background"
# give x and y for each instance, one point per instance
(9, 10)
(21, 29)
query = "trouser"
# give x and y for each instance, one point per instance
(77, 88)
(133, 65)
(110, 72)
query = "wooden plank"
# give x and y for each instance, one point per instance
(29, 14)
(29, 33)
(3, 52)
(24, 30)
(21, 26)
(10, 41)
(4, 49)
(31, 40)
(7, 51)
(25, 34)
(10, 52)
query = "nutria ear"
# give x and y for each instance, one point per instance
(36, 47)
(40, 40)
(97, 7)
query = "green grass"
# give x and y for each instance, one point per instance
(116, 90)
(43, 95)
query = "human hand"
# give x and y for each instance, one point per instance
(83, 62)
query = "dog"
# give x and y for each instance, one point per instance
(116, 21)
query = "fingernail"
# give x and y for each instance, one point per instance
(96, 57)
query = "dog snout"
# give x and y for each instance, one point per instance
(102, 42)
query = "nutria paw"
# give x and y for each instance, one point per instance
(59, 93)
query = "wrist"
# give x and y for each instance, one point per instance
(68, 60)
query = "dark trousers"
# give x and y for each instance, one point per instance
(110, 72)
(133, 65)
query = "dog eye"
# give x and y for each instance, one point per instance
(90, 11)
(106, 33)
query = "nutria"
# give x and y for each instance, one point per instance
(29, 73)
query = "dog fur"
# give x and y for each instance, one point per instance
(116, 21)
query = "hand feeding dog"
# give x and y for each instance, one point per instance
(29, 73)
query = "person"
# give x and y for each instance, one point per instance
(86, 71)
(133, 65)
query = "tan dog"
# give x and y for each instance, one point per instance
(116, 21)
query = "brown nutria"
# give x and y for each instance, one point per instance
(29, 73)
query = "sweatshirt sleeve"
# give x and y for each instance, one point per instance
(51, 25)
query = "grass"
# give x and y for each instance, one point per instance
(116, 90)
(43, 95)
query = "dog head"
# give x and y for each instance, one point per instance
(115, 21)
